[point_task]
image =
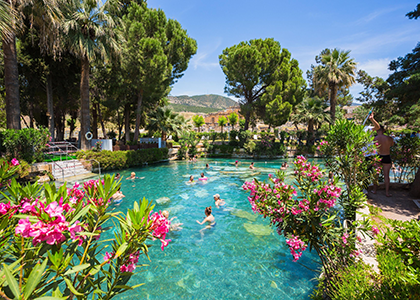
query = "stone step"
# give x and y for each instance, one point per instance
(69, 168)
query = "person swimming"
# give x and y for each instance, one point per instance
(117, 176)
(203, 178)
(172, 227)
(209, 219)
(117, 197)
(191, 179)
(236, 163)
(217, 201)
(207, 166)
(132, 176)
(251, 166)
(330, 178)
(284, 166)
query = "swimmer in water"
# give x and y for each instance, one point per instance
(236, 163)
(251, 166)
(209, 219)
(191, 179)
(207, 166)
(172, 227)
(117, 176)
(117, 197)
(284, 166)
(132, 176)
(203, 177)
(330, 178)
(217, 201)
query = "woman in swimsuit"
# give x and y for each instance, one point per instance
(209, 219)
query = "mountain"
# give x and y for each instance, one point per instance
(210, 101)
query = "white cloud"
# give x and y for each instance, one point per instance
(374, 15)
(376, 67)
(200, 59)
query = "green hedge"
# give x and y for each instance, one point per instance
(112, 160)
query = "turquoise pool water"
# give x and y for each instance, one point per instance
(240, 258)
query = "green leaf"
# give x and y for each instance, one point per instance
(71, 287)
(34, 278)
(11, 281)
(80, 214)
(121, 249)
(77, 269)
(51, 298)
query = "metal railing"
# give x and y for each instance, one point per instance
(60, 149)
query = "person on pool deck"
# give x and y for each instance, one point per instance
(217, 201)
(191, 179)
(173, 227)
(209, 219)
(132, 176)
(251, 166)
(385, 143)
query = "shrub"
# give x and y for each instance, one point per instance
(112, 160)
(51, 246)
(404, 154)
(344, 148)
(309, 219)
(26, 144)
(250, 147)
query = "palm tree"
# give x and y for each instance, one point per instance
(39, 13)
(91, 34)
(165, 121)
(336, 71)
(222, 121)
(198, 121)
(312, 112)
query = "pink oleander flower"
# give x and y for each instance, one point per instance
(24, 227)
(54, 210)
(375, 230)
(4, 208)
(345, 237)
(109, 256)
(15, 162)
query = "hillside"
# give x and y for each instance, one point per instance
(210, 101)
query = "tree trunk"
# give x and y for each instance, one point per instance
(11, 82)
(50, 107)
(102, 121)
(333, 100)
(415, 186)
(127, 122)
(311, 131)
(94, 121)
(138, 115)
(247, 119)
(72, 123)
(84, 105)
(120, 125)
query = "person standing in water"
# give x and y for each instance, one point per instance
(209, 219)
(385, 143)
(251, 166)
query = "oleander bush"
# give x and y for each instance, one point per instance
(117, 160)
(52, 244)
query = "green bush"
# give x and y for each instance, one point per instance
(26, 144)
(111, 160)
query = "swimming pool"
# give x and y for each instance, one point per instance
(241, 257)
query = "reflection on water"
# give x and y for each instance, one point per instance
(241, 257)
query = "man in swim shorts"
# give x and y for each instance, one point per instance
(385, 143)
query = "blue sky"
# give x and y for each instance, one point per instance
(376, 32)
